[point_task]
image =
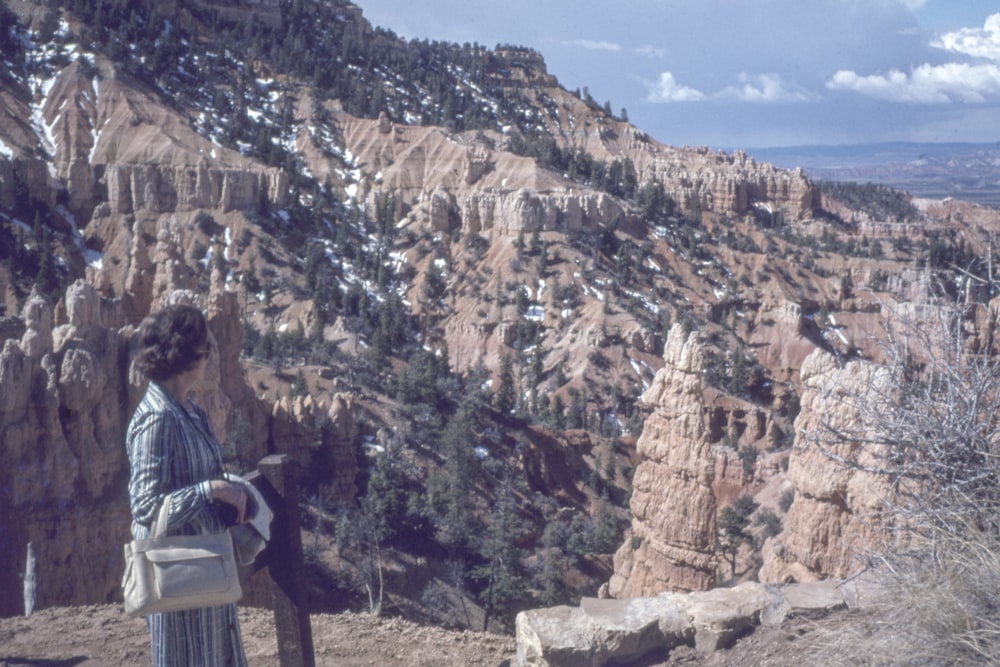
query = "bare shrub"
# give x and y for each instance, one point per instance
(927, 427)
(936, 613)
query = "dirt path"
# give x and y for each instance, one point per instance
(99, 636)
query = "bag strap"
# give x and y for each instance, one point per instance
(159, 527)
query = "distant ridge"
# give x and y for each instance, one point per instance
(969, 171)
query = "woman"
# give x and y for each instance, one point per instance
(172, 450)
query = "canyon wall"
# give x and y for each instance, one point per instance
(68, 395)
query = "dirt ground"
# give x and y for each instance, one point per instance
(102, 636)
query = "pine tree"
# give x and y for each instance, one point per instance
(503, 572)
(47, 277)
(733, 523)
(558, 413)
(450, 488)
(506, 396)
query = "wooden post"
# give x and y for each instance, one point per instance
(30, 581)
(283, 556)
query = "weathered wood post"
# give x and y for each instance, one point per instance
(275, 479)
(30, 581)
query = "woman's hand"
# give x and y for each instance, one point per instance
(233, 494)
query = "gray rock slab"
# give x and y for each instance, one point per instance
(553, 637)
(612, 631)
(625, 630)
(723, 615)
(814, 599)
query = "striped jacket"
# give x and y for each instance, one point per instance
(172, 450)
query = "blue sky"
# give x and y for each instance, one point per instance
(751, 73)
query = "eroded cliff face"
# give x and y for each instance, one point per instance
(113, 141)
(62, 413)
(733, 184)
(833, 521)
(319, 433)
(495, 189)
(133, 177)
(69, 392)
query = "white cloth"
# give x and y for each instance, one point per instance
(251, 537)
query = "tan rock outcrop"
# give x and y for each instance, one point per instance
(162, 188)
(508, 213)
(62, 464)
(689, 469)
(509, 193)
(70, 112)
(672, 545)
(731, 184)
(147, 155)
(832, 523)
(319, 436)
(477, 163)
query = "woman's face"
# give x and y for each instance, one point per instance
(199, 368)
(193, 377)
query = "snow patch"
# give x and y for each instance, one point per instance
(536, 313)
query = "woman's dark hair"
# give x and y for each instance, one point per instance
(171, 341)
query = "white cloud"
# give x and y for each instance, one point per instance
(594, 45)
(938, 84)
(768, 87)
(927, 84)
(651, 51)
(977, 42)
(668, 90)
(754, 88)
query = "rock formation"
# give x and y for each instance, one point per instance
(684, 476)
(615, 632)
(507, 213)
(319, 434)
(672, 544)
(68, 395)
(160, 188)
(63, 469)
(733, 184)
(833, 522)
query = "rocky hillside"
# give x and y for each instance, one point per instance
(506, 334)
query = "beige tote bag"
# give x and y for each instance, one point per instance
(178, 572)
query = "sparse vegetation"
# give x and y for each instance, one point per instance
(927, 426)
(734, 528)
(879, 201)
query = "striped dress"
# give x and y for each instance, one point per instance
(171, 449)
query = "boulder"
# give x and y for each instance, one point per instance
(600, 631)
(605, 632)
(723, 615)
